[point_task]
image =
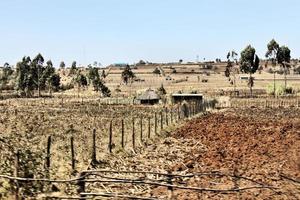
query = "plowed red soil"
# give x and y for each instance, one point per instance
(261, 144)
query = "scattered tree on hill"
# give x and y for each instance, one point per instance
(127, 75)
(230, 67)
(103, 74)
(156, 71)
(36, 71)
(6, 74)
(53, 83)
(97, 82)
(280, 55)
(249, 63)
(93, 76)
(141, 62)
(81, 81)
(271, 54)
(73, 69)
(62, 65)
(161, 90)
(24, 79)
(284, 57)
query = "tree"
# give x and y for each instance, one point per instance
(105, 91)
(103, 74)
(93, 76)
(62, 65)
(249, 63)
(24, 79)
(161, 90)
(230, 67)
(284, 57)
(6, 74)
(156, 71)
(53, 83)
(81, 81)
(73, 69)
(272, 54)
(36, 72)
(127, 75)
(280, 55)
(141, 62)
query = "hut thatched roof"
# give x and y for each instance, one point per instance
(148, 95)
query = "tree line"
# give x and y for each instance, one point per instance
(35, 75)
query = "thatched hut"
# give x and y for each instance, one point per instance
(148, 97)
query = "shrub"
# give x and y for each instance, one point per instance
(279, 90)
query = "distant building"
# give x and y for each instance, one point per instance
(148, 97)
(190, 98)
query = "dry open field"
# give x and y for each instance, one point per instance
(225, 150)
(239, 153)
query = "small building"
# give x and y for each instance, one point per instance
(190, 98)
(148, 97)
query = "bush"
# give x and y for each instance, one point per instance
(279, 90)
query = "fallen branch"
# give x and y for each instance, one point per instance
(118, 195)
(180, 187)
(289, 178)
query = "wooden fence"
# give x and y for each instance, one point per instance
(154, 126)
(264, 103)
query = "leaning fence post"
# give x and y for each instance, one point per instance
(72, 154)
(122, 133)
(110, 137)
(81, 185)
(94, 156)
(16, 174)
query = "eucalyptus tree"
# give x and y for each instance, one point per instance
(249, 63)
(230, 67)
(271, 54)
(281, 55)
(127, 75)
(284, 58)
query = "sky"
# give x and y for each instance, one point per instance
(126, 31)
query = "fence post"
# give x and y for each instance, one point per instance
(161, 121)
(81, 185)
(110, 137)
(72, 154)
(141, 126)
(16, 174)
(94, 156)
(171, 115)
(133, 134)
(170, 189)
(149, 127)
(167, 120)
(48, 157)
(155, 123)
(122, 133)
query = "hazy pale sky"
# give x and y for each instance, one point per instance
(115, 31)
